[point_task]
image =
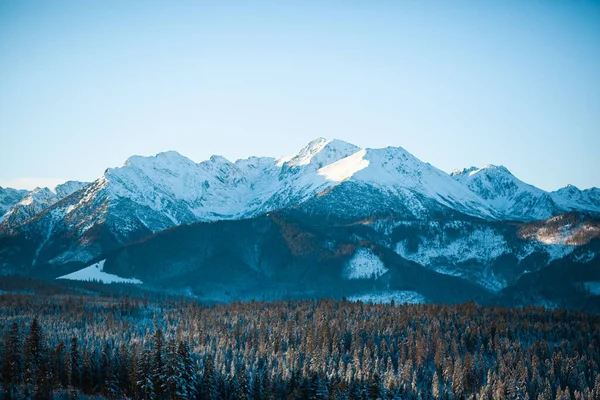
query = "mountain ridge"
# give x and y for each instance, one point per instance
(328, 183)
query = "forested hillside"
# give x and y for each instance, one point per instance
(84, 347)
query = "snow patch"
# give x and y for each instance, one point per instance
(343, 169)
(557, 251)
(95, 273)
(584, 257)
(364, 265)
(593, 287)
(385, 297)
(482, 245)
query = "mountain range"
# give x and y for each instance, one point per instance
(332, 220)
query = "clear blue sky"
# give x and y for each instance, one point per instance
(86, 84)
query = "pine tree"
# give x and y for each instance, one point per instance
(33, 350)
(123, 369)
(145, 385)
(374, 387)
(458, 384)
(435, 386)
(87, 374)
(243, 392)
(318, 389)
(596, 390)
(74, 367)
(59, 364)
(188, 372)
(12, 363)
(173, 382)
(209, 384)
(108, 376)
(157, 371)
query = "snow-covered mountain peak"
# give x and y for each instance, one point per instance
(170, 160)
(397, 167)
(458, 173)
(221, 168)
(511, 197)
(515, 199)
(491, 170)
(38, 195)
(32, 204)
(217, 159)
(69, 187)
(254, 162)
(26, 204)
(8, 198)
(571, 198)
(321, 152)
(569, 190)
(398, 179)
(141, 173)
(304, 156)
(170, 154)
(216, 163)
(327, 177)
(497, 169)
(491, 181)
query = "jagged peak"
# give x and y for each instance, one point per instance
(491, 168)
(162, 158)
(68, 187)
(218, 159)
(41, 190)
(464, 171)
(569, 188)
(221, 168)
(321, 152)
(37, 195)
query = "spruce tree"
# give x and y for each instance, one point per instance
(74, 370)
(158, 365)
(209, 384)
(12, 363)
(188, 371)
(33, 350)
(59, 365)
(435, 386)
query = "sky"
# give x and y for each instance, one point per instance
(86, 84)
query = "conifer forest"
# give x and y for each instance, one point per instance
(105, 347)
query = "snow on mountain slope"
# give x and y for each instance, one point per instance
(95, 273)
(570, 198)
(8, 198)
(364, 265)
(386, 297)
(514, 199)
(569, 229)
(69, 187)
(395, 173)
(216, 189)
(35, 202)
(479, 244)
(32, 204)
(345, 168)
(511, 197)
(150, 194)
(321, 152)
(489, 253)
